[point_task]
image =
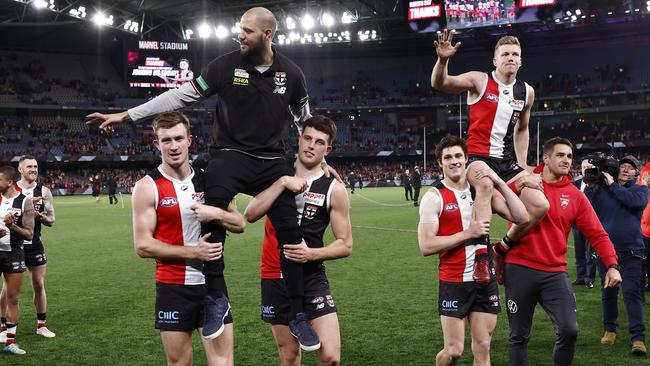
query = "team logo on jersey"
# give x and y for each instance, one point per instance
(312, 198)
(451, 207)
(564, 201)
(184, 188)
(168, 202)
(310, 212)
(280, 90)
(492, 97)
(280, 78)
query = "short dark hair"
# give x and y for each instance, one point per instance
(549, 144)
(26, 157)
(322, 124)
(170, 119)
(450, 141)
(10, 173)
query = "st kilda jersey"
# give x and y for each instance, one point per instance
(39, 206)
(11, 205)
(314, 218)
(493, 116)
(176, 224)
(456, 264)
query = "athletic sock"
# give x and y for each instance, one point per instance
(11, 333)
(481, 252)
(40, 320)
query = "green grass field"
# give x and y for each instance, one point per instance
(101, 295)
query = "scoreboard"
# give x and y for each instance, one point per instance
(159, 65)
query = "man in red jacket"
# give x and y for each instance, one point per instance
(535, 269)
(644, 179)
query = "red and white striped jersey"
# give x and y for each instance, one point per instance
(176, 224)
(493, 116)
(456, 264)
(16, 206)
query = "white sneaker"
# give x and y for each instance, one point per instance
(3, 336)
(14, 349)
(45, 332)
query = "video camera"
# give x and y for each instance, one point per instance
(602, 164)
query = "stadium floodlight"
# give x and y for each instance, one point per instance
(236, 28)
(290, 23)
(221, 32)
(101, 19)
(40, 4)
(327, 20)
(52, 6)
(135, 27)
(578, 11)
(204, 30)
(307, 22)
(188, 33)
(348, 17)
(127, 25)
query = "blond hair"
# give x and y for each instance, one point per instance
(507, 40)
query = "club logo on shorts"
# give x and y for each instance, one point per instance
(512, 307)
(168, 202)
(317, 300)
(451, 207)
(280, 78)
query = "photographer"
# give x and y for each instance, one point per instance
(619, 204)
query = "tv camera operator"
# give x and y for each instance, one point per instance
(619, 203)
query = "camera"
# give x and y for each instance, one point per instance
(602, 164)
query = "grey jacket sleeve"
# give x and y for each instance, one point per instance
(170, 100)
(300, 115)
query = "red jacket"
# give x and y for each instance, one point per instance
(544, 247)
(645, 219)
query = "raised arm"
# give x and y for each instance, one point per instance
(144, 225)
(440, 78)
(260, 204)
(429, 240)
(230, 219)
(46, 218)
(522, 134)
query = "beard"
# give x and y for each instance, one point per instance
(255, 49)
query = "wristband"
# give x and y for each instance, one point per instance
(615, 266)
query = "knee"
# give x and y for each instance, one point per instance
(481, 346)
(519, 339)
(289, 355)
(484, 185)
(329, 359)
(38, 285)
(454, 351)
(568, 332)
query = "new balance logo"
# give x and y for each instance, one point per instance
(280, 90)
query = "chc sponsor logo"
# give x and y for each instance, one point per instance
(168, 202)
(450, 304)
(268, 311)
(168, 315)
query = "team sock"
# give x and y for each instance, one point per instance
(11, 333)
(40, 320)
(481, 252)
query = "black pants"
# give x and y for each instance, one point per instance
(112, 198)
(525, 287)
(645, 275)
(585, 262)
(416, 195)
(229, 173)
(408, 192)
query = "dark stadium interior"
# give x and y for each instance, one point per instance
(590, 77)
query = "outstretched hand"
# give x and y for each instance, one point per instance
(107, 121)
(444, 47)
